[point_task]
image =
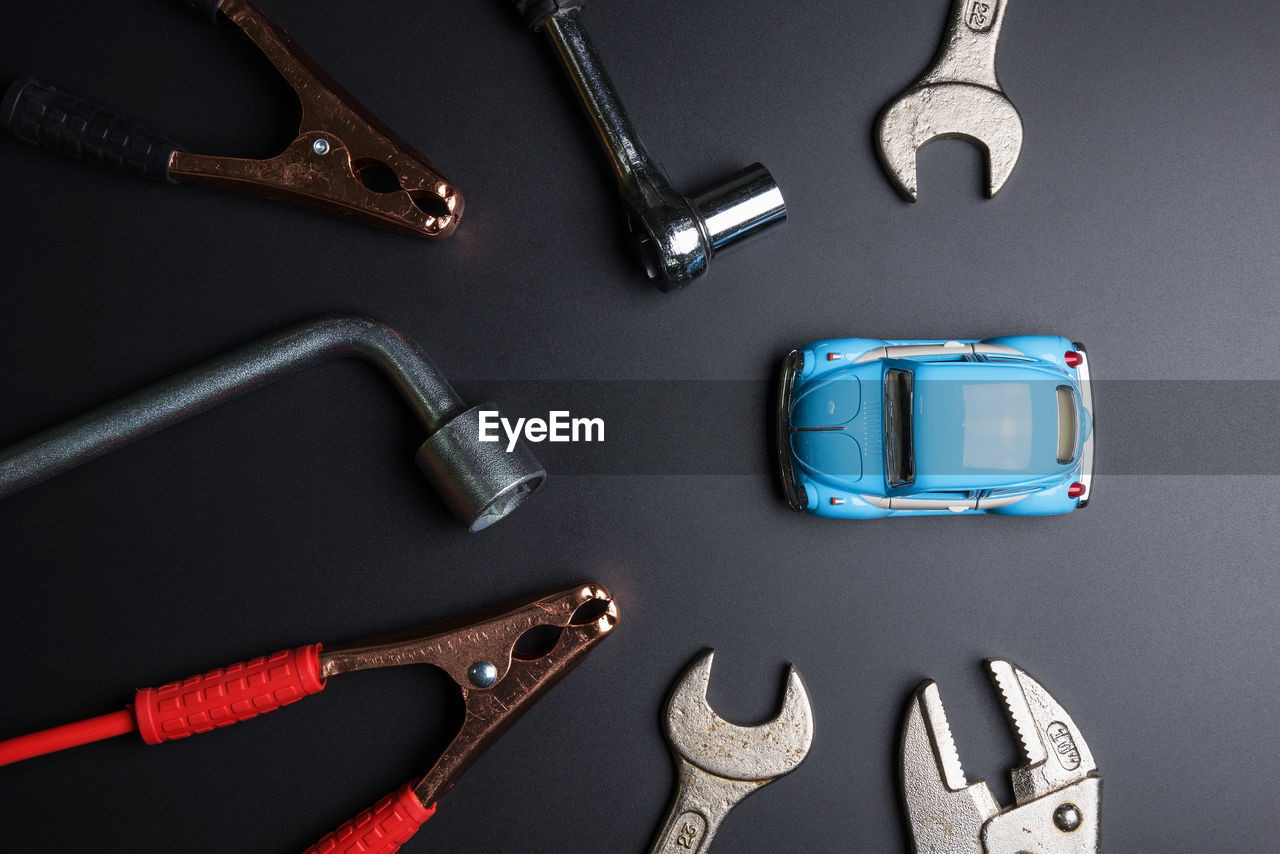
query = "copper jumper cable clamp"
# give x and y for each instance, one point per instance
(344, 160)
(482, 654)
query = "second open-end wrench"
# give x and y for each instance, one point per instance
(719, 763)
(958, 97)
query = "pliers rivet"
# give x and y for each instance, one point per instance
(320, 146)
(1067, 818)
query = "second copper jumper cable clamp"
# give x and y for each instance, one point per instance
(481, 654)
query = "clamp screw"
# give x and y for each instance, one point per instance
(1067, 817)
(483, 674)
(320, 146)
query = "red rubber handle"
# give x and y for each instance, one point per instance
(381, 829)
(227, 695)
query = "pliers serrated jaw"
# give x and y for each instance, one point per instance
(1057, 791)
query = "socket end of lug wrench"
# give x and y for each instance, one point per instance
(675, 246)
(481, 482)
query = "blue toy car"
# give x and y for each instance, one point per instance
(870, 428)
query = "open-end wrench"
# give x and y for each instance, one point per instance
(958, 97)
(719, 763)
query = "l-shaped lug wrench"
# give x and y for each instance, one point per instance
(479, 481)
(676, 236)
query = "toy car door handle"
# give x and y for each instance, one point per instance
(343, 161)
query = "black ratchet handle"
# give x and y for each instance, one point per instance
(50, 118)
(536, 12)
(205, 7)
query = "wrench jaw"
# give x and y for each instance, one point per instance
(982, 116)
(1058, 795)
(761, 753)
(719, 763)
(1057, 792)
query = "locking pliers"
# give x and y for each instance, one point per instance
(1057, 793)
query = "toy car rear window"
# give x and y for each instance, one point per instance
(1068, 429)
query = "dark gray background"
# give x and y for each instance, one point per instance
(1141, 220)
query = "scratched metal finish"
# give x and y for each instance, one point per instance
(719, 763)
(241, 371)
(1057, 792)
(958, 97)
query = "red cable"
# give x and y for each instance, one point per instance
(68, 735)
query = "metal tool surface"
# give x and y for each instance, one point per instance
(343, 161)
(719, 763)
(958, 97)
(480, 482)
(676, 236)
(499, 680)
(1057, 792)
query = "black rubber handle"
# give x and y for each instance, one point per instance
(205, 7)
(536, 12)
(49, 118)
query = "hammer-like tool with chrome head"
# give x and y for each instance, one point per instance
(676, 235)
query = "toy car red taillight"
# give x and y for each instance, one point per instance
(1075, 490)
(1073, 359)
